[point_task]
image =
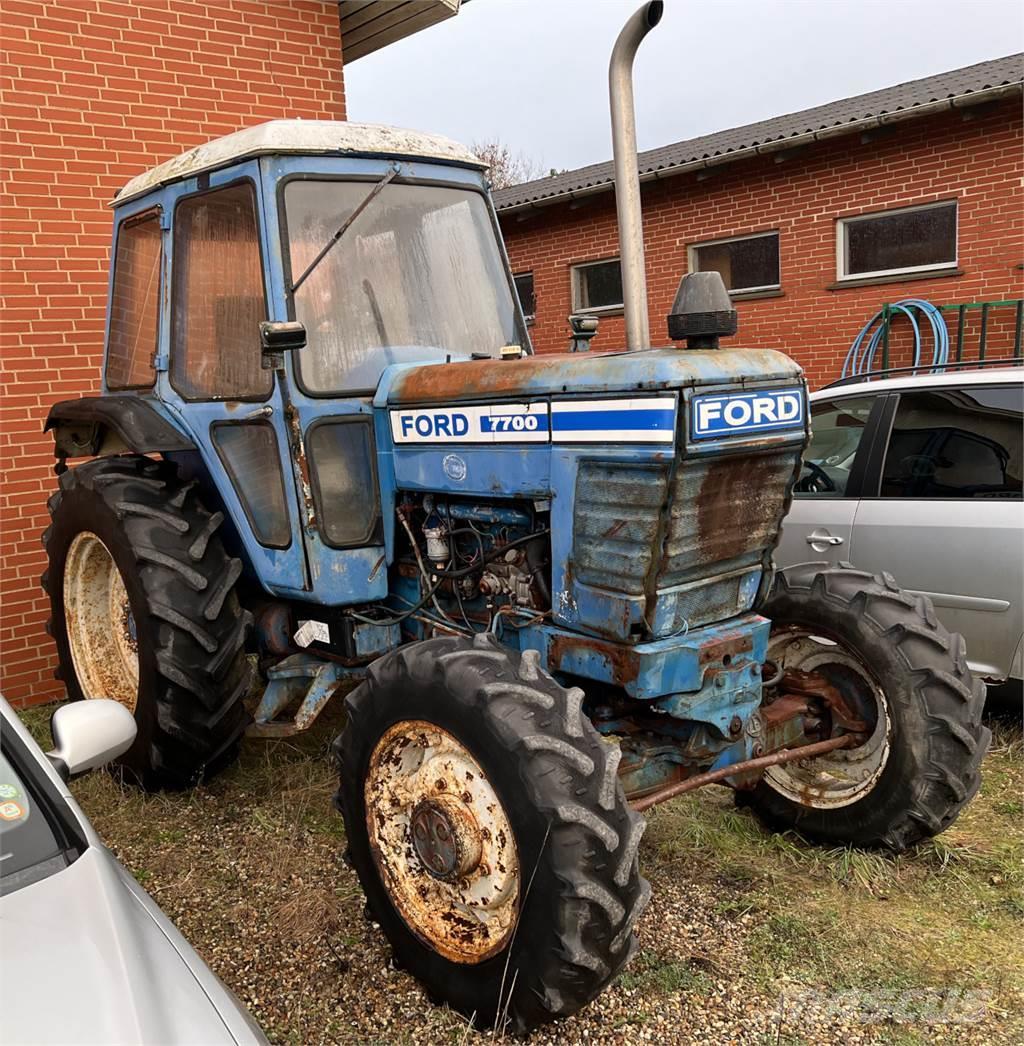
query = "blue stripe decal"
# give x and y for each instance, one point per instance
(591, 420)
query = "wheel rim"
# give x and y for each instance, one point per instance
(442, 842)
(100, 625)
(842, 777)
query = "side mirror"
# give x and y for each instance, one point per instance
(89, 734)
(278, 337)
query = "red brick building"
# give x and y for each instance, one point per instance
(91, 93)
(815, 219)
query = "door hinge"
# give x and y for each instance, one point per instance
(160, 361)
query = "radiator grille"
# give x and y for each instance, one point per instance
(723, 513)
(615, 523)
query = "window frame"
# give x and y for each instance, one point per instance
(175, 265)
(842, 224)
(370, 179)
(369, 538)
(237, 489)
(147, 214)
(876, 466)
(867, 463)
(575, 269)
(739, 292)
(529, 318)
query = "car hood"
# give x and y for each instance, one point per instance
(88, 957)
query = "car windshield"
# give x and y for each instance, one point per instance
(29, 848)
(417, 276)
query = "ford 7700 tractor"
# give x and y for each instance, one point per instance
(324, 452)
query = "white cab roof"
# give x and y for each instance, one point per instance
(308, 137)
(992, 375)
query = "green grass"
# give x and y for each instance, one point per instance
(250, 869)
(947, 914)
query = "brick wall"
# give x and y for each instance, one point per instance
(91, 93)
(978, 160)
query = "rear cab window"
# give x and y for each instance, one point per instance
(956, 443)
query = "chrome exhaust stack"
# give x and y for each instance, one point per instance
(627, 174)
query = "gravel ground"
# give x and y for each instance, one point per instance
(250, 870)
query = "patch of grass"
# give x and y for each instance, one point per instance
(947, 914)
(653, 974)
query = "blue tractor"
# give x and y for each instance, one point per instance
(324, 452)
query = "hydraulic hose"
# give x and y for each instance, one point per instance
(860, 359)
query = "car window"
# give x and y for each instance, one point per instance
(956, 443)
(836, 430)
(28, 843)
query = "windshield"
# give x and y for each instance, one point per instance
(29, 848)
(417, 276)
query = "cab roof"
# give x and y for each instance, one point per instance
(312, 137)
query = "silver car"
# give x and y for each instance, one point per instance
(921, 476)
(87, 956)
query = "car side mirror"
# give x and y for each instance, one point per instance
(278, 337)
(89, 734)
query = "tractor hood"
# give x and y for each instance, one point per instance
(653, 370)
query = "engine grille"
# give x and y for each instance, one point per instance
(615, 523)
(723, 513)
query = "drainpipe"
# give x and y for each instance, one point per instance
(627, 174)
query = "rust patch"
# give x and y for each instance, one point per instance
(565, 652)
(726, 645)
(754, 477)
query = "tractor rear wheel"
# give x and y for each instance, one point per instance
(486, 823)
(144, 610)
(907, 677)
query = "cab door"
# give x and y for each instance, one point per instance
(943, 512)
(213, 379)
(820, 522)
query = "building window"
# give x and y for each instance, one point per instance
(746, 263)
(597, 286)
(912, 239)
(524, 288)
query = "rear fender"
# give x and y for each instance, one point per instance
(101, 425)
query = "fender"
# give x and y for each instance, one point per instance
(100, 425)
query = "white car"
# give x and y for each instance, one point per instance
(921, 475)
(86, 954)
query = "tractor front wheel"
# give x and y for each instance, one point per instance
(486, 823)
(907, 678)
(144, 611)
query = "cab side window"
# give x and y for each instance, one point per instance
(956, 443)
(217, 297)
(134, 304)
(837, 427)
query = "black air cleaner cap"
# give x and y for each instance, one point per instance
(702, 312)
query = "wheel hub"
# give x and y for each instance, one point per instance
(101, 628)
(446, 838)
(442, 842)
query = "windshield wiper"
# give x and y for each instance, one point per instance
(344, 227)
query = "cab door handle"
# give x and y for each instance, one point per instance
(823, 539)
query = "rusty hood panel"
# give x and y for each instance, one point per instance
(558, 373)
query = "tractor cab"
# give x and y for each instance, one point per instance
(382, 244)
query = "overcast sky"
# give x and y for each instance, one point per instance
(533, 73)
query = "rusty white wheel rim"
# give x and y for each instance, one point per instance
(442, 842)
(836, 779)
(99, 621)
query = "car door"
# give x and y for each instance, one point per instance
(819, 525)
(944, 514)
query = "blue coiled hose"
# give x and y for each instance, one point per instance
(861, 357)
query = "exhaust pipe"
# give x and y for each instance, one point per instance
(627, 174)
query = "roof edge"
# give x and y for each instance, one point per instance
(961, 101)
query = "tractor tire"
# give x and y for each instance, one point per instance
(144, 610)
(482, 736)
(927, 741)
